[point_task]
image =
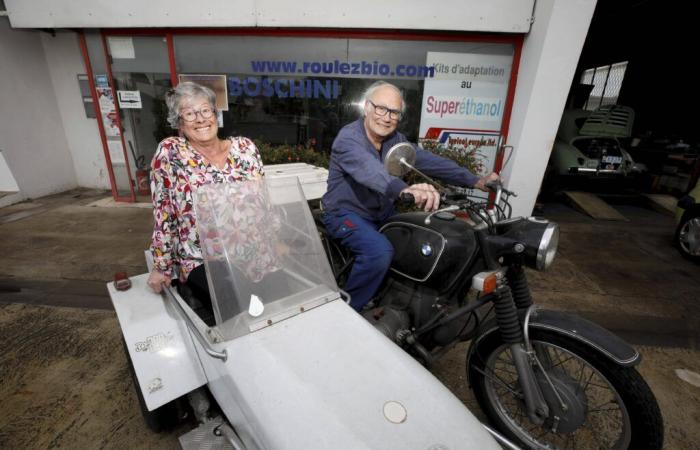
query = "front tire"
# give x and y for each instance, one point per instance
(608, 406)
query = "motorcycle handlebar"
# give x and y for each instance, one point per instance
(406, 198)
(495, 185)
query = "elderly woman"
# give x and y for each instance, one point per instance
(179, 167)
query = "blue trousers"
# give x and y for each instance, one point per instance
(373, 253)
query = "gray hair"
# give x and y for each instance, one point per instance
(183, 92)
(378, 84)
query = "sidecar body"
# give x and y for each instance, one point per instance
(289, 363)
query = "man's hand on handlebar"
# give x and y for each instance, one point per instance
(485, 183)
(424, 195)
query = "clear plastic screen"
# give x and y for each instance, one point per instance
(263, 256)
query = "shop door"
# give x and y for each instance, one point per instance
(141, 76)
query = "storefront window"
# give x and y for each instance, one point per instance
(293, 91)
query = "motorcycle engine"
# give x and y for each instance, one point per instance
(389, 321)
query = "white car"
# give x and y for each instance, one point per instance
(587, 143)
(687, 237)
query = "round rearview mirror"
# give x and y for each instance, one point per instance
(399, 158)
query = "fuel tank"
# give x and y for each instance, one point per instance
(436, 254)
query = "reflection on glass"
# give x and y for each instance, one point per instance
(145, 75)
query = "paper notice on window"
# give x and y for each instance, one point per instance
(121, 47)
(129, 99)
(116, 151)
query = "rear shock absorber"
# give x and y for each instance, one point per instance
(519, 286)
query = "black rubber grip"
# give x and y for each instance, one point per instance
(406, 198)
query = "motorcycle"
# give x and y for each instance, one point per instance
(278, 360)
(545, 379)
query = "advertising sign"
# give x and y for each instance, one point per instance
(109, 112)
(464, 103)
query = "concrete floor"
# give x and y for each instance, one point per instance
(64, 382)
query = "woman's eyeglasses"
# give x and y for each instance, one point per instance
(191, 115)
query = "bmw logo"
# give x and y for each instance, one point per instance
(426, 250)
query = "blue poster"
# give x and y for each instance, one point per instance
(101, 81)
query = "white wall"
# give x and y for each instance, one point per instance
(82, 134)
(550, 53)
(8, 185)
(504, 16)
(32, 136)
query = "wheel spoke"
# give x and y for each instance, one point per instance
(603, 410)
(588, 382)
(493, 377)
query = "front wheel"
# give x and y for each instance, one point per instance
(606, 406)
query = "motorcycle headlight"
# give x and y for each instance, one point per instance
(533, 240)
(548, 246)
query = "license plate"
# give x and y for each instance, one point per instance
(612, 159)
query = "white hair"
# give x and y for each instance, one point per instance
(183, 92)
(378, 84)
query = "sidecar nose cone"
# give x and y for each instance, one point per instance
(395, 412)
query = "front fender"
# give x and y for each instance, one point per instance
(574, 327)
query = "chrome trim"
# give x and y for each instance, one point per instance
(501, 439)
(622, 362)
(587, 170)
(231, 437)
(190, 324)
(526, 327)
(437, 258)
(541, 259)
(448, 209)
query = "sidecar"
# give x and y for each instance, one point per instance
(287, 362)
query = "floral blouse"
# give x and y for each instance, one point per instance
(177, 170)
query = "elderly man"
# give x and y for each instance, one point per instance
(361, 194)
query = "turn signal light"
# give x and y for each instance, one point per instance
(485, 282)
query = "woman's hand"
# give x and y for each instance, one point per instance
(156, 280)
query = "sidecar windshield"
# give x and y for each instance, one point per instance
(262, 253)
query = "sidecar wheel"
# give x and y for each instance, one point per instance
(608, 406)
(160, 419)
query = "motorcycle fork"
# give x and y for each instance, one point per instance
(520, 289)
(524, 360)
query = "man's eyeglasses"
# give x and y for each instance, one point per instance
(394, 114)
(191, 115)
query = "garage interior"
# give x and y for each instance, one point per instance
(651, 38)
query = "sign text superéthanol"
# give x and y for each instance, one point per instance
(283, 87)
(474, 108)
